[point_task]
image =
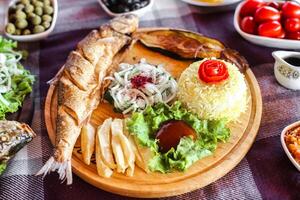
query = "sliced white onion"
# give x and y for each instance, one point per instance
(8, 68)
(109, 78)
(127, 98)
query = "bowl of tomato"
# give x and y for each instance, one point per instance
(269, 23)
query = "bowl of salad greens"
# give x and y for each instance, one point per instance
(15, 81)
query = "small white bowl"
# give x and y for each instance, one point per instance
(260, 40)
(297, 165)
(285, 73)
(37, 36)
(140, 12)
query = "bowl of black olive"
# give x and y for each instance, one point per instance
(118, 7)
(30, 20)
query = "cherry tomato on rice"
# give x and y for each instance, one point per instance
(292, 24)
(266, 13)
(250, 6)
(291, 9)
(248, 25)
(270, 29)
(213, 71)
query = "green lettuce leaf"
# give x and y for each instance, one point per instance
(137, 124)
(2, 168)
(7, 45)
(21, 84)
(145, 125)
(186, 153)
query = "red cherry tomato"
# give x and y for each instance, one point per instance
(212, 71)
(275, 5)
(266, 13)
(281, 35)
(250, 6)
(248, 25)
(270, 29)
(292, 24)
(293, 35)
(291, 9)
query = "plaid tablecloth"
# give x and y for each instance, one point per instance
(265, 172)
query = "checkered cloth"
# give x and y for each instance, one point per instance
(265, 172)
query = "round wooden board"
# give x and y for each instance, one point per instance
(202, 173)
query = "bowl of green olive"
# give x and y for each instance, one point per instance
(30, 20)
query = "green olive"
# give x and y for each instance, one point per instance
(38, 29)
(26, 32)
(38, 4)
(10, 28)
(38, 11)
(47, 2)
(20, 6)
(36, 20)
(18, 32)
(31, 15)
(48, 10)
(21, 23)
(20, 14)
(46, 25)
(25, 2)
(47, 18)
(29, 8)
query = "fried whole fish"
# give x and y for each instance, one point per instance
(79, 87)
(13, 137)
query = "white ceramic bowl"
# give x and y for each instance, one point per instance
(140, 12)
(284, 144)
(207, 4)
(37, 36)
(260, 40)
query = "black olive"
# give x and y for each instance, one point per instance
(113, 2)
(120, 8)
(124, 2)
(144, 3)
(136, 6)
(113, 9)
(129, 2)
(126, 9)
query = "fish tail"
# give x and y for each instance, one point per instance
(63, 169)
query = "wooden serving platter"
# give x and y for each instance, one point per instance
(202, 173)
